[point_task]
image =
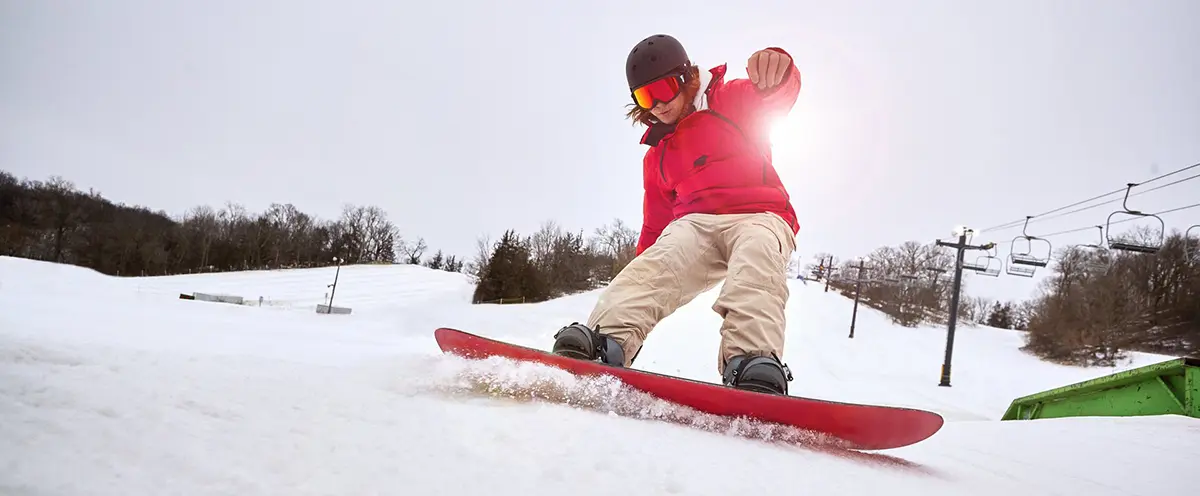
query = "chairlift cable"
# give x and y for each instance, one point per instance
(1009, 225)
(1194, 205)
(1117, 200)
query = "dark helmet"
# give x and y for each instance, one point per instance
(653, 58)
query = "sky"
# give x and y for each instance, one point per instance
(462, 119)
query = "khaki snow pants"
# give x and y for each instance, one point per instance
(694, 253)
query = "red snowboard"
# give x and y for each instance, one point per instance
(864, 427)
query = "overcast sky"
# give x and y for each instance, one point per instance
(466, 118)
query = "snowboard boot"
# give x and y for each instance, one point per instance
(581, 342)
(757, 373)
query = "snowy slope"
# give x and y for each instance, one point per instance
(116, 386)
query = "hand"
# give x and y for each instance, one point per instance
(767, 67)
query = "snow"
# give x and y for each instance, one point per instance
(117, 386)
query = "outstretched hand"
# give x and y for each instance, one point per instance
(767, 67)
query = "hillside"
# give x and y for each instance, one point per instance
(141, 392)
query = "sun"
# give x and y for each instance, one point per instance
(803, 136)
(787, 135)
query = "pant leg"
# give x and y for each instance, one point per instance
(755, 292)
(682, 263)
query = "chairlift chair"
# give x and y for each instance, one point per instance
(975, 266)
(1103, 260)
(1027, 258)
(1192, 252)
(1134, 246)
(985, 264)
(991, 269)
(1014, 269)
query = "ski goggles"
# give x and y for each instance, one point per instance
(659, 90)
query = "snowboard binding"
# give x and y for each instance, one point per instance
(580, 342)
(757, 373)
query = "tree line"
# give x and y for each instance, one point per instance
(908, 282)
(550, 263)
(1097, 304)
(53, 221)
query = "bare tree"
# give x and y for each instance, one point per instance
(616, 244)
(541, 243)
(413, 252)
(483, 252)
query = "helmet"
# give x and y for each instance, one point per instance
(653, 58)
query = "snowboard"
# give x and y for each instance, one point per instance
(857, 426)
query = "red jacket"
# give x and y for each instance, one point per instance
(717, 159)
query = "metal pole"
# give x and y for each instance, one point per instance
(961, 246)
(828, 273)
(329, 309)
(857, 291)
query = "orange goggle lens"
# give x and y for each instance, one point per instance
(662, 90)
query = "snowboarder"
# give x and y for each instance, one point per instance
(714, 208)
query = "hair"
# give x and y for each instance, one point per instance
(691, 86)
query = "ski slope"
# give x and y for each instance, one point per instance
(117, 386)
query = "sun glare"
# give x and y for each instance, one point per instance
(800, 146)
(787, 137)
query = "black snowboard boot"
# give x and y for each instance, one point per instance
(757, 373)
(579, 341)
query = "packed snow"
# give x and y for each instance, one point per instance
(117, 386)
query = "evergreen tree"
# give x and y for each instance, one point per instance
(1002, 316)
(437, 261)
(511, 274)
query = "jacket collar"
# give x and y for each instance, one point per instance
(708, 80)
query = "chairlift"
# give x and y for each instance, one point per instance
(985, 265)
(1134, 246)
(1192, 252)
(1027, 258)
(1103, 259)
(1019, 270)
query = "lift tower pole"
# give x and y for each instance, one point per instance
(961, 247)
(857, 292)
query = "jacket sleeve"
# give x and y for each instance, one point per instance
(656, 210)
(749, 104)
